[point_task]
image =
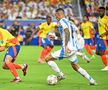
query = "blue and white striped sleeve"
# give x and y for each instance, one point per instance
(64, 24)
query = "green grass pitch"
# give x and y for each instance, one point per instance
(37, 73)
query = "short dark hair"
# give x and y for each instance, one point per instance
(103, 8)
(48, 16)
(59, 9)
(86, 16)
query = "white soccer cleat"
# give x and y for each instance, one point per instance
(86, 58)
(25, 66)
(93, 83)
(105, 69)
(16, 80)
(59, 78)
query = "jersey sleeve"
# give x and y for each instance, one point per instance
(63, 24)
(41, 26)
(74, 27)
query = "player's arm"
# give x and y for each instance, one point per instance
(39, 29)
(67, 34)
(66, 31)
(93, 31)
(106, 33)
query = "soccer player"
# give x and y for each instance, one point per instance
(80, 46)
(8, 41)
(79, 42)
(87, 30)
(103, 32)
(68, 48)
(47, 45)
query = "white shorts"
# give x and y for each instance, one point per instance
(80, 44)
(60, 54)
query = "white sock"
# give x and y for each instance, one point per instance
(79, 53)
(18, 77)
(23, 66)
(54, 66)
(86, 75)
(85, 57)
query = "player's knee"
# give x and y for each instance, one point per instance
(100, 53)
(48, 58)
(4, 66)
(8, 58)
(45, 47)
(74, 66)
(51, 46)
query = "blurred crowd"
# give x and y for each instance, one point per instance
(32, 9)
(38, 9)
(91, 6)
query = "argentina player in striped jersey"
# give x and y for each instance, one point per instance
(68, 49)
(79, 42)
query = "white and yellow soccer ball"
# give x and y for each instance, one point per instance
(52, 36)
(52, 80)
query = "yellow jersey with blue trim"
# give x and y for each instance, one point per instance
(102, 26)
(45, 29)
(86, 28)
(7, 39)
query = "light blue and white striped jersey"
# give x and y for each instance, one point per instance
(65, 23)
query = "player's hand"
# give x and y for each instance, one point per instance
(67, 50)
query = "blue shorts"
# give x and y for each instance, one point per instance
(101, 45)
(13, 52)
(88, 42)
(45, 42)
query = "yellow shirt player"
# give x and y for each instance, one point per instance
(103, 27)
(87, 30)
(11, 43)
(47, 44)
(103, 31)
(44, 29)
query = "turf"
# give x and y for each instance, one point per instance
(37, 73)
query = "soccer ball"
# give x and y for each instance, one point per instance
(52, 79)
(52, 36)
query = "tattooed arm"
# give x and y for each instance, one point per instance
(67, 36)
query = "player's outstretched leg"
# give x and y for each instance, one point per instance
(43, 53)
(84, 73)
(9, 65)
(49, 59)
(83, 56)
(23, 67)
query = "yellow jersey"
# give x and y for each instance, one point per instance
(86, 28)
(6, 39)
(102, 25)
(45, 29)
